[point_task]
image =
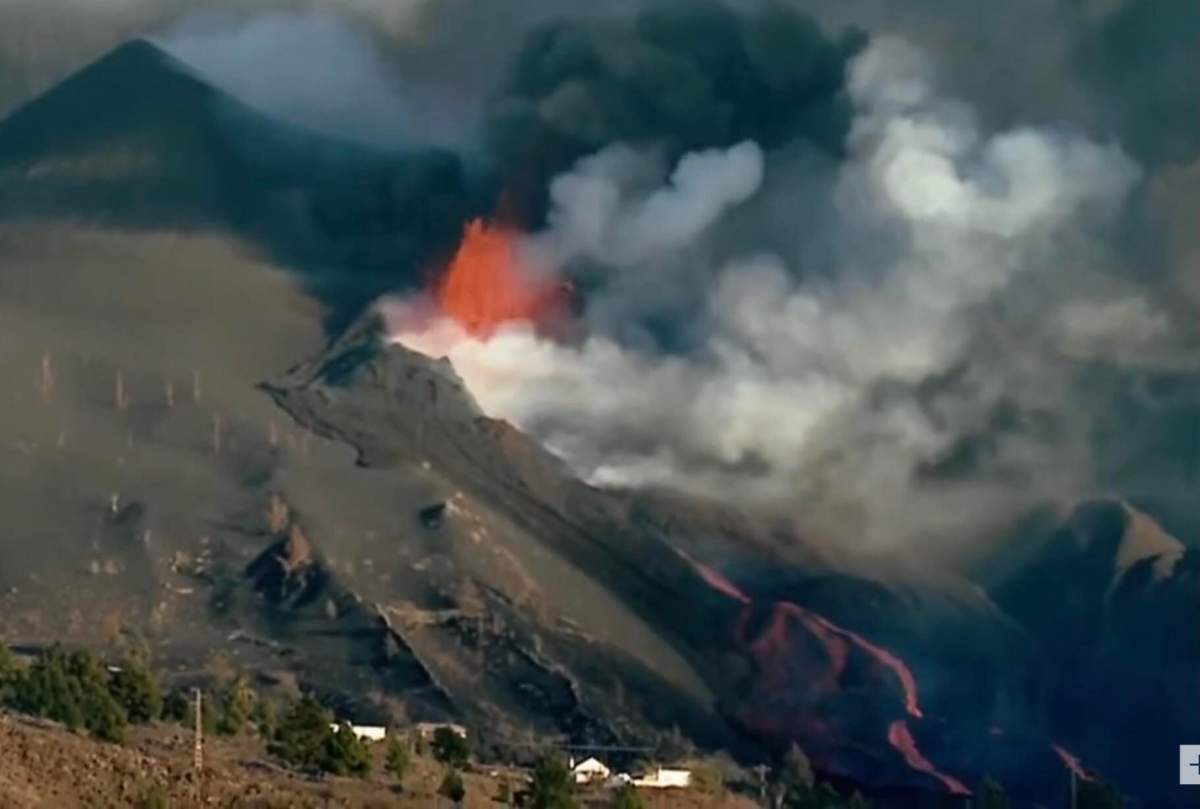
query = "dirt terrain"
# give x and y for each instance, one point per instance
(44, 766)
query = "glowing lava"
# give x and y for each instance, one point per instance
(902, 739)
(715, 579)
(1072, 762)
(885, 658)
(773, 645)
(487, 284)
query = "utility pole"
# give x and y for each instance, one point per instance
(761, 769)
(198, 751)
(47, 377)
(1074, 789)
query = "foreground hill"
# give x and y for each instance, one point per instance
(43, 766)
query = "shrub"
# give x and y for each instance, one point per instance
(396, 760)
(8, 663)
(9, 672)
(452, 787)
(155, 797)
(708, 778)
(628, 798)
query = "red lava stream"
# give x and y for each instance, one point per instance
(836, 641)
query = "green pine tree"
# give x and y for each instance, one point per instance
(237, 705)
(451, 748)
(136, 690)
(177, 706)
(302, 733)
(345, 753)
(552, 786)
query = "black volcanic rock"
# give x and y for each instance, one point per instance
(289, 572)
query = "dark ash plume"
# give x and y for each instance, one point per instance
(682, 77)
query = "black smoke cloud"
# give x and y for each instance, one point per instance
(680, 78)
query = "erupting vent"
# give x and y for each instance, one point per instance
(487, 285)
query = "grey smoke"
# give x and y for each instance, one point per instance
(819, 388)
(677, 76)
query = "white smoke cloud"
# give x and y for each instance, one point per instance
(805, 387)
(592, 214)
(1110, 328)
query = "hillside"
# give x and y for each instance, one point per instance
(138, 140)
(43, 766)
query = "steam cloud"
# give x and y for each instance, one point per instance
(832, 387)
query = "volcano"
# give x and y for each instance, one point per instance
(358, 524)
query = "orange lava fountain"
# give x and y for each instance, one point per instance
(486, 284)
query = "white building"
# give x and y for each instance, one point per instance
(589, 770)
(368, 733)
(663, 778)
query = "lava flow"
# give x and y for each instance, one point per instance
(487, 284)
(772, 646)
(902, 739)
(1072, 762)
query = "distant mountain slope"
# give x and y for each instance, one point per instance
(138, 136)
(1112, 601)
(138, 139)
